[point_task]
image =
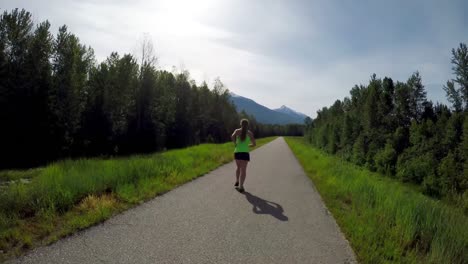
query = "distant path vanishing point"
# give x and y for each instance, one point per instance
(279, 219)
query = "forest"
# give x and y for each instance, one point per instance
(57, 101)
(391, 127)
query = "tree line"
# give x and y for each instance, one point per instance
(394, 129)
(57, 102)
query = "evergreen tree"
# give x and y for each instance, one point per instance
(454, 96)
(417, 96)
(71, 64)
(24, 83)
(460, 69)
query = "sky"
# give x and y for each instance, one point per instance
(303, 54)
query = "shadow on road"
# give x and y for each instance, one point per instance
(261, 206)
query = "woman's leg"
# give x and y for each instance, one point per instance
(238, 171)
(243, 172)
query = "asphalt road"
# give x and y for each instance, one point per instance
(279, 219)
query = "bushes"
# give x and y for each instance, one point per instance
(413, 167)
(385, 160)
(450, 172)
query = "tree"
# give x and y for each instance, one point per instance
(181, 130)
(386, 106)
(417, 96)
(110, 104)
(454, 96)
(35, 104)
(460, 68)
(403, 105)
(15, 38)
(71, 64)
(463, 149)
(25, 79)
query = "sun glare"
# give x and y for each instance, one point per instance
(185, 18)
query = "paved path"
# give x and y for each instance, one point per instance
(279, 219)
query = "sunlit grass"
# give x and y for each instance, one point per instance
(70, 195)
(384, 220)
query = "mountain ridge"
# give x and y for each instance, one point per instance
(290, 111)
(280, 116)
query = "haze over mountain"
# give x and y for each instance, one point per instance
(265, 115)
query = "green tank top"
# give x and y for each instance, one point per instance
(242, 146)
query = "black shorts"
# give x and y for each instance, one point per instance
(242, 156)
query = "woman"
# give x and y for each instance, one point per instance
(243, 139)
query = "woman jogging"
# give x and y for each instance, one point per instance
(243, 139)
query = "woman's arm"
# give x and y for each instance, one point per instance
(252, 139)
(233, 136)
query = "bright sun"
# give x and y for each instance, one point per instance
(185, 17)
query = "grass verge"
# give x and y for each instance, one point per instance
(15, 175)
(384, 220)
(71, 195)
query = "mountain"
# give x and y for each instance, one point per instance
(265, 115)
(294, 114)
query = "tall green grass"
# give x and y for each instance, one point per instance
(13, 175)
(68, 185)
(384, 220)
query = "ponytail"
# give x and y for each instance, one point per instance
(245, 126)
